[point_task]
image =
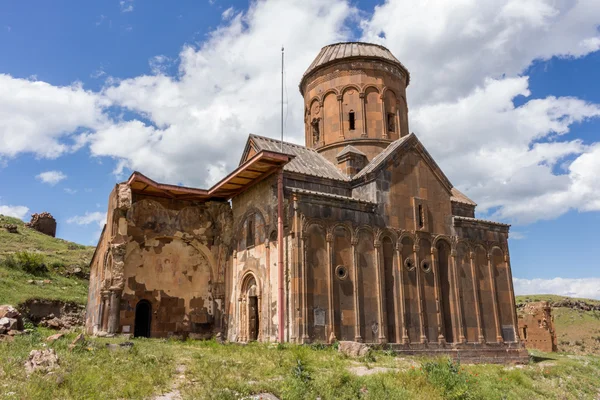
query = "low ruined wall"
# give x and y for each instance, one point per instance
(536, 326)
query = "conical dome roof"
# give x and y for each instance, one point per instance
(344, 50)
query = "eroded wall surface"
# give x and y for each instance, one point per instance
(536, 326)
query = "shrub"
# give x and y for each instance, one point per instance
(446, 375)
(32, 263)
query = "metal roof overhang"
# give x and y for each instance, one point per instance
(251, 172)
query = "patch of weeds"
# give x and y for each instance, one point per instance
(299, 371)
(446, 375)
(30, 263)
(318, 346)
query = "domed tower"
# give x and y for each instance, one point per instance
(354, 94)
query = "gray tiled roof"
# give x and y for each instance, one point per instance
(378, 159)
(338, 51)
(306, 161)
(481, 221)
(350, 149)
(460, 197)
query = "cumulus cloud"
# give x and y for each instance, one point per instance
(226, 88)
(467, 61)
(14, 211)
(586, 287)
(44, 119)
(507, 157)
(51, 177)
(96, 217)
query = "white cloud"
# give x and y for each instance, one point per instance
(507, 158)
(225, 89)
(126, 5)
(466, 58)
(70, 191)
(227, 14)
(51, 177)
(43, 119)
(14, 211)
(95, 217)
(585, 287)
(159, 64)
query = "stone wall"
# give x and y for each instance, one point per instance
(43, 222)
(536, 326)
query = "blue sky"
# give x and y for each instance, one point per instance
(505, 95)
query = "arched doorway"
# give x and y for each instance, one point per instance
(143, 319)
(250, 309)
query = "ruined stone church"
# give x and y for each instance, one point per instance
(377, 245)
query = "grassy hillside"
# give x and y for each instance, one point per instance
(58, 255)
(208, 370)
(578, 331)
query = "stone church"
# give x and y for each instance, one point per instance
(376, 244)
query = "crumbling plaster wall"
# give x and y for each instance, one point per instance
(176, 257)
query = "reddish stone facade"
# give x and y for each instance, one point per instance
(378, 246)
(536, 326)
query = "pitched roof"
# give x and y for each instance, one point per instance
(350, 149)
(306, 161)
(338, 51)
(379, 158)
(460, 197)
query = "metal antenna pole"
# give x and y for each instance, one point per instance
(282, 99)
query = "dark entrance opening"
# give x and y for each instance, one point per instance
(143, 319)
(252, 318)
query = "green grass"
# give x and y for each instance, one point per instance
(56, 254)
(54, 250)
(212, 371)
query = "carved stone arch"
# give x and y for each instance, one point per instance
(240, 223)
(477, 245)
(360, 228)
(308, 222)
(406, 234)
(369, 86)
(385, 232)
(350, 86)
(247, 275)
(312, 101)
(344, 225)
(496, 246)
(385, 90)
(464, 242)
(332, 90)
(444, 238)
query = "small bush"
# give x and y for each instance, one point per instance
(446, 375)
(31, 263)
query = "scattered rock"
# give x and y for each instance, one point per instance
(262, 396)
(219, 338)
(9, 323)
(14, 333)
(353, 349)
(120, 346)
(364, 371)
(8, 311)
(78, 340)
(11, 228)
(53, 338)
(41, 360)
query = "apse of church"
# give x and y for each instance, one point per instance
(378, 246)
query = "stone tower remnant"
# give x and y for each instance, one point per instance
(44, 223)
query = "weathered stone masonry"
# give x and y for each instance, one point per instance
(379, 247)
